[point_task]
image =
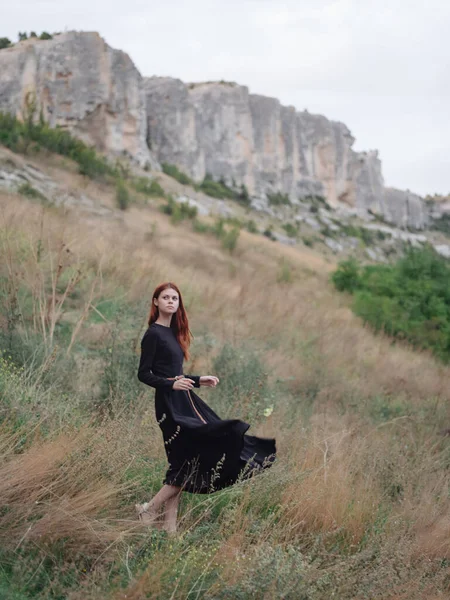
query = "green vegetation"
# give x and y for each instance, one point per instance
(30, 192)
(316, 202)
(4, 43)
(367, 236)
(356, 508)
(174, 171)
(410, 300)
(28, 136)
(148, 187)
(291, 230)
(122, 195)
(209, 186)
(251, 226)
(219, 189)
(179, 211)
(278, 199)
(268, 232)
(442, 224)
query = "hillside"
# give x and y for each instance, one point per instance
(356, 505)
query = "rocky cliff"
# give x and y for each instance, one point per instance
(222, 129)
(79, 83)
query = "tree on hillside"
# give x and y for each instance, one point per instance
(22, 36)
(4, 43)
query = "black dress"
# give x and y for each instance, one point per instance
(205, 453)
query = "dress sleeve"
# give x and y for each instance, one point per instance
(145, 373)
(196, 379)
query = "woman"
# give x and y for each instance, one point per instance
(205, 453)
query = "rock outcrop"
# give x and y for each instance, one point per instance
(222, 129)
(80, 83)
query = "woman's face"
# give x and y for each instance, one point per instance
(168, 301)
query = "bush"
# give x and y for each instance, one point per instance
(30, 192)
(367, 236)
(122, 195)
(230, 238)
(346, 278)
(25, 136)
(179, 211)
(148, 187)
(174, 171)
(291, 230)
(409, 300)
(4, 43)
(442, 224)
(316, 202)
(45, 36)
(251, 226)
(216, 189)
(278, 199)
(269, 233)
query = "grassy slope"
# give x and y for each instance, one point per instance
(357, 504)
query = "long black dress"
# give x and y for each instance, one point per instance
(205, 453)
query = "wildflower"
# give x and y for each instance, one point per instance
(268, 411)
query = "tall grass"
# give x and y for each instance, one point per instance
(356, 505)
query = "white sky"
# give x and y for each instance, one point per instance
(382, 70)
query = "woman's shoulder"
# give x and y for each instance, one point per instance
(156, 330)
(152, 331)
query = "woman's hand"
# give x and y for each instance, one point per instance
(184, 383)
(209, 380)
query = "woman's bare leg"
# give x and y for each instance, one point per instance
(149, 510)
(170, 512)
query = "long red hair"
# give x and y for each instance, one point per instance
(179, 322)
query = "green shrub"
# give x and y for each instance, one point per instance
(243, 195)
(45, 36)
(200, 227)
(346, 278)
(216, 189)
(30, 192)
(230, 238)
(148, 187)
(174, 171)
(251, 226)
(269, 233)
(316, 202)
(291, 230)
(4, 43)
(442, 224)
(122, 195)
(367, 236)
(308, 241)
(278, 199)
(179, 211)
(409, 300)
(25, 136)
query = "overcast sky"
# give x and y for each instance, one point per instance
(382, 70)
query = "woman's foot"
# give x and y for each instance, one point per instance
(147, 514)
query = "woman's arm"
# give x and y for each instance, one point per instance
(145, 373)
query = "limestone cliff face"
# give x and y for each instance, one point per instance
(96, 92)
(81, 84)
(221, 129)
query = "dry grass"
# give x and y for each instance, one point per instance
(360, 507)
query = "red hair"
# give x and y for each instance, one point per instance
(179, 322)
